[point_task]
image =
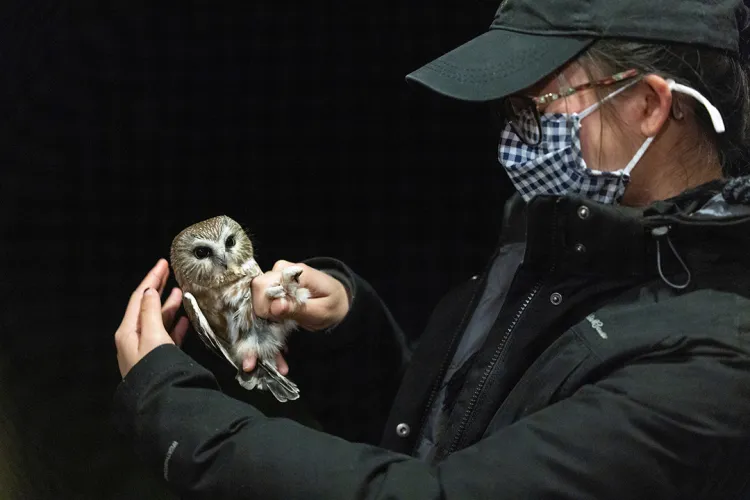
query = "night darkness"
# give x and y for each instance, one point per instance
(123, 124)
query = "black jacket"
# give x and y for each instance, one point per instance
(597, 379)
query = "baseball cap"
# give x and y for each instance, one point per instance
(529, 39)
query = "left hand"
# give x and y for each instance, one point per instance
(142, 329)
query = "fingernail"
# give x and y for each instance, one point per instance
(146, 290)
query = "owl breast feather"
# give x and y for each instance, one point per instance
(237, 309)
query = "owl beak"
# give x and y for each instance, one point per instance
(223, 261)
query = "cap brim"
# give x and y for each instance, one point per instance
(497, 63)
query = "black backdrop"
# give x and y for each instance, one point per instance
(124, 123)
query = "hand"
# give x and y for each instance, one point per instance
(142, 329)
(328, 303)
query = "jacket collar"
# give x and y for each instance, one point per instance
(573, 235)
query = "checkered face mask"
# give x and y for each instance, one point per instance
(556, 166)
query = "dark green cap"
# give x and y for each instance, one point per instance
(529, 39)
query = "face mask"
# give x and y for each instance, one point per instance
(555, 166)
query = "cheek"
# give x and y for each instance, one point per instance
(591, 135)
(601, 146)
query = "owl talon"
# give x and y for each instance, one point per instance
(290, 282)
(290, 274)
(276, 292)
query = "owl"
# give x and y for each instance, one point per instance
(214, 265)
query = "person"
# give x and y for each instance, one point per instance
(602, 353)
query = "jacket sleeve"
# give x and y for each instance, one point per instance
(668, 427)
(348, 375)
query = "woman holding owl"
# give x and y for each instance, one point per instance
(603, 352)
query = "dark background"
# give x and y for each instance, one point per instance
(124, 123)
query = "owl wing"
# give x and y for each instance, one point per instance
(203, 329)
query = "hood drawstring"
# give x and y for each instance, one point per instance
(659, 233)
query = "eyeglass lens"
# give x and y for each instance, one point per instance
(523, 120)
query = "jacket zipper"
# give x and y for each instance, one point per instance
(493, 362)
(448, 354)
(503, 342)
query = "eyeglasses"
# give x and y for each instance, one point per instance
(522, 112)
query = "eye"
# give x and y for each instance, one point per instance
(202, 252)
(230, 242)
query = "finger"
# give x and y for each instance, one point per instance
(281, 264)
(152, 280)
(180, 330)
(281, 364)
(170, 307)
(163, 277)
(261, 302)
(315, 315)
(248, 364)
(281, 308)
(150, 319)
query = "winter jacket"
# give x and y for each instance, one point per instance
(617, 366)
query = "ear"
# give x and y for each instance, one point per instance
(657, 105)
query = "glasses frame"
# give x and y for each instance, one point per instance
(514, 104)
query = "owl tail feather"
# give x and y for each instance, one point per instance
(267, 377)
(281, 390)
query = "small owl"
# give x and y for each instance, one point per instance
(214, 266)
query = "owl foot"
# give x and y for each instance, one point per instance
(289, 287)
(290, 274)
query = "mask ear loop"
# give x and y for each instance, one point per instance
(716, 119)
(637, 157)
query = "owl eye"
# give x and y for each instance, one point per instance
(202, 252)
(230, 242)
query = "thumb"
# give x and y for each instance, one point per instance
(151, 320)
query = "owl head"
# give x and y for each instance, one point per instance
(210, 253)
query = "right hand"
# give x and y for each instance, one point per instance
(327, 306)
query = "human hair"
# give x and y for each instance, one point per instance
(719, 75)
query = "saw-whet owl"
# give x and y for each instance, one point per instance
(214, 265)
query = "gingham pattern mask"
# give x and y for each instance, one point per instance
(556, 166)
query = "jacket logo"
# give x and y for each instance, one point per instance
(597, 325)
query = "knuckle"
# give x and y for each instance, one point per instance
(280, 264)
